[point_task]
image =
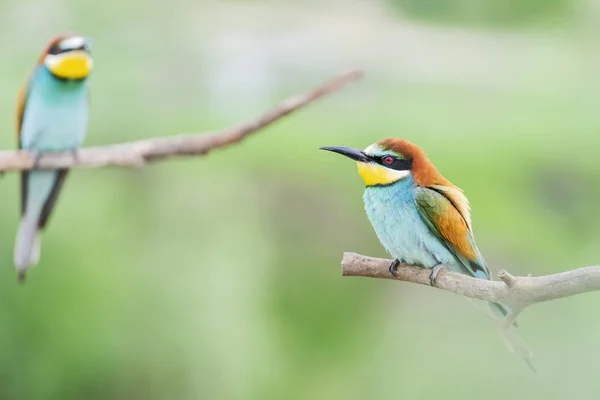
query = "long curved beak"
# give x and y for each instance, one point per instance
(355, 154)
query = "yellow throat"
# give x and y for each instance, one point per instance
(375, 174)
(71, 65)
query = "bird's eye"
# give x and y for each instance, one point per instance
(55, 50)
(387, 160)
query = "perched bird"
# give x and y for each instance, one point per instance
(419, 216)
(52, 115)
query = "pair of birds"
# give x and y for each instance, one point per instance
(419, 216)
(52, 115)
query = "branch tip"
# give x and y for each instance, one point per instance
(507, 278)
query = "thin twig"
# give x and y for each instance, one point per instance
(137, 153)
(516, 292)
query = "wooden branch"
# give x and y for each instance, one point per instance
(515, 292)
(137, 153)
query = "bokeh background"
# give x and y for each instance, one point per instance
(219, 277)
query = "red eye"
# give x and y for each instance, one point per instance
(388, 160)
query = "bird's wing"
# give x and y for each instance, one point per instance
(442, 214)
(21, 102)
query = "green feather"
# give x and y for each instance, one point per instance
(432, 205)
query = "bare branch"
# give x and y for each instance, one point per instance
(517, 293)
(134, 154)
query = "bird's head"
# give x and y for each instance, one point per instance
(389, 161)
(68, 57)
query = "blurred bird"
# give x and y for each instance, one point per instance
(419, 216)
(52, 115)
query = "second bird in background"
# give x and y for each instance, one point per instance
(52, 115)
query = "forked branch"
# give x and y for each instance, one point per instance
(517, 293)
(137, 153)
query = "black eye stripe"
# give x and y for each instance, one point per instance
(55, 50)
(58, 50)
(397, 164)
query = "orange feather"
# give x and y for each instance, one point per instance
(21, 98)
(453, 221)
(454, 229)
(424, 172)
(56, 40)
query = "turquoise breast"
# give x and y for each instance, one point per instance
(56, 113)
(398, 225)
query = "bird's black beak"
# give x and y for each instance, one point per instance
(355, 154)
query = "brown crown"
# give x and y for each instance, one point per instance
(424, 172)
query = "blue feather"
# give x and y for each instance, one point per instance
(408, 236)
(55, 118)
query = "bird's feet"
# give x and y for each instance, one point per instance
(394, 267)
(75, 154)
(434, 273)
(37, 155)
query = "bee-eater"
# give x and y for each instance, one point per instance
(419, 216)
(52, 115)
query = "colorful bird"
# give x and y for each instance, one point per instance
(52, 115)
(419, 216)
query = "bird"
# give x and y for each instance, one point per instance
(418, 215)
(52, 116)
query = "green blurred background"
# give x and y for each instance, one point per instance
(219, 277)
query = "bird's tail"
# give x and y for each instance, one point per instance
(516, 345)
(39, 190)
(27, 246)
(501, 310)
(509, 333)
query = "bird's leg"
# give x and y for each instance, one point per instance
(394, 267)
(75, 154)
(37, 155)
(434, 273)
